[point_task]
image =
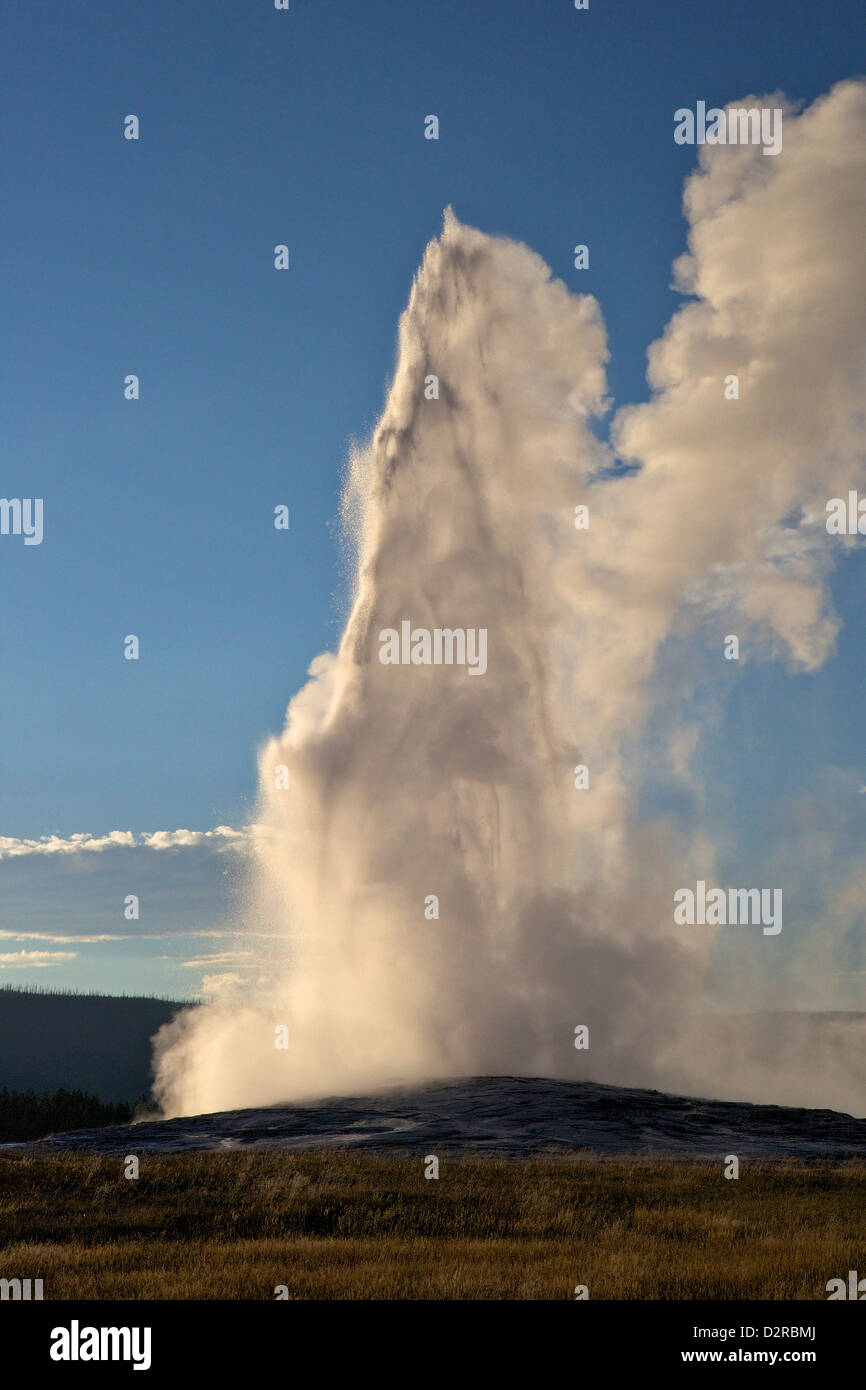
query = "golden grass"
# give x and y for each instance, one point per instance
(353, 1225)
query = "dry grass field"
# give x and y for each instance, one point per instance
(340, 1225)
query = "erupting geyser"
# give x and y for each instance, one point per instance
(456, 900)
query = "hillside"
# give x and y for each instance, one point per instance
(91, 1042)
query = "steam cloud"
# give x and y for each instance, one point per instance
(408, 781)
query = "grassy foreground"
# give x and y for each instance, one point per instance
(339, 1225)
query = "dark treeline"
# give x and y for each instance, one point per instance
(88, 994)
(27, 1115)
(100, 1044)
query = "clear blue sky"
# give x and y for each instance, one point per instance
(156, 257)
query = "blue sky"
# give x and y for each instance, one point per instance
(156, 257)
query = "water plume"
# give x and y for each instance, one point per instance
(451, 902)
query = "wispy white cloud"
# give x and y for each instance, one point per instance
(232, 932)
(94, 939)
(222, 837)
(218, 958)
(58, 937)
(34, 959)
(214, 986)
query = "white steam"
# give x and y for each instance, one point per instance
(555, 905)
